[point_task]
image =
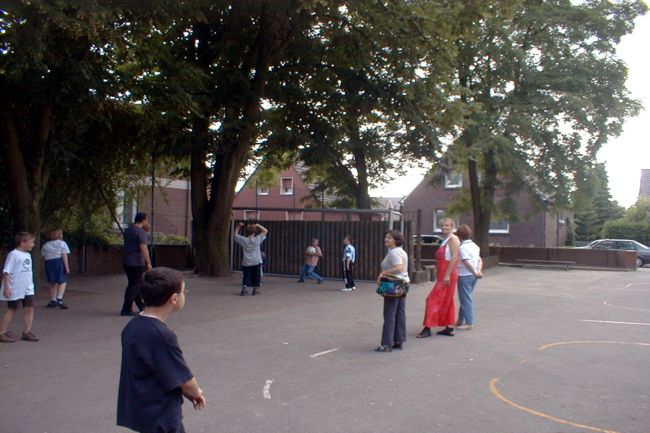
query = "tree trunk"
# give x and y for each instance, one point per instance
(482, 199)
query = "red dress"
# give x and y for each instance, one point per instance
(440, 310)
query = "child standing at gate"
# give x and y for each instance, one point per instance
(347, 263)
(18, 287)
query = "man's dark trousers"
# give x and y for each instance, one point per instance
(132, 293)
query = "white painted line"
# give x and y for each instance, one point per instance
(267, 390)
(615, 323)
(324, 353)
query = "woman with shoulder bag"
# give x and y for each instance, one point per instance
(395, 266)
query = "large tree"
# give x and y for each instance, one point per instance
(58, 101)
(548, 90)
(364, 107)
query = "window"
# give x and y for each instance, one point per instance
(453, 180)
(286, 186)
(499, 227)
(438, 215)
(262, 191)
(251, 215)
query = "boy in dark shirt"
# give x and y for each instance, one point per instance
(154, 376)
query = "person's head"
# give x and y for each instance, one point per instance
(464, 232)
(251, 230)
(314, 242)
(140, 217)
(393, 238)
(55, 234)
(163, 285)
(24, 241)
(447, 226)
(347, 240)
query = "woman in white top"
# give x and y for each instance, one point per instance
(470, 269)
(395, 264)
(55, 252)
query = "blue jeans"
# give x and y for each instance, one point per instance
(308, 270)
(466, 285)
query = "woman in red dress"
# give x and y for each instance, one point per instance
(440, 310)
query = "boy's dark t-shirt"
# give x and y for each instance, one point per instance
(134, 236)
(152, 371)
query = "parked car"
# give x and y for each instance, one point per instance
(434, 240)
(642, 252)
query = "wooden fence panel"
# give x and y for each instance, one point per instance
(287, 240)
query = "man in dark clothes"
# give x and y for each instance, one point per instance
(154, 376)
(136, 261)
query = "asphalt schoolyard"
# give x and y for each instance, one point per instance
(552, 351)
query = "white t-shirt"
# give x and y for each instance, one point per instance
(394, 257)
(21, 283)
(468, 251)
(252, 255)
(53, 249)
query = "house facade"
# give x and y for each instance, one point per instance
(534, 228)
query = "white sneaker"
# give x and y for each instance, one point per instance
(347, 289)
(466, 327)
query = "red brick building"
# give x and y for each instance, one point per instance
(535, 228)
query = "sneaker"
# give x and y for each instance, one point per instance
(466, 327)
(354, 288)
(244, 292)
(29, 336)
(319, 281)
(256, 291)
(300, 281)
(6, 338)
(52, 304)
(61, 305)
(346, 289)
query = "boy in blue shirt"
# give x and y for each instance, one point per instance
(349, 256)
(154, 376)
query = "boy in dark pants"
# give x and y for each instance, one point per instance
(347, 263)
(154, 376)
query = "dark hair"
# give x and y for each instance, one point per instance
(349, 238)
(397, 235)
(464, 232)
(159, 285)
(139, 217)
(23, 236)
(250, 229)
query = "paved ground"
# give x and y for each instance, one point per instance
(553, 351)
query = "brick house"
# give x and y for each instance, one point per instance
(546, 229)
(172, 207)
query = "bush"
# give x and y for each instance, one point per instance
(625, 229)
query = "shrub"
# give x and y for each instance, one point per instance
(625, 229)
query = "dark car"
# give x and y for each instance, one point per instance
(434, 240)
(642, 252)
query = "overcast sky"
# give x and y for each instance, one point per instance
(624, 156)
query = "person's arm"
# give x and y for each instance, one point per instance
(263, 230)
(238, 226)
(319, 253)
(192, 391)
(479, 270)
(5, 281)
(145, 253)
(66, 267)
(454, 251)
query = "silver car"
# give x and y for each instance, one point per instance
(642, 252)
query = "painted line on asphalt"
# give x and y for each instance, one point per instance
(625, 308)
(563, 343)
(266, 392)
(495, 391)
(324, 353)
(614, 323)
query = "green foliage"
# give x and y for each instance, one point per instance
(593, 205)
(626, 229)
(639, 212)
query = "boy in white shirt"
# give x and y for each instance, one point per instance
(18, 286)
